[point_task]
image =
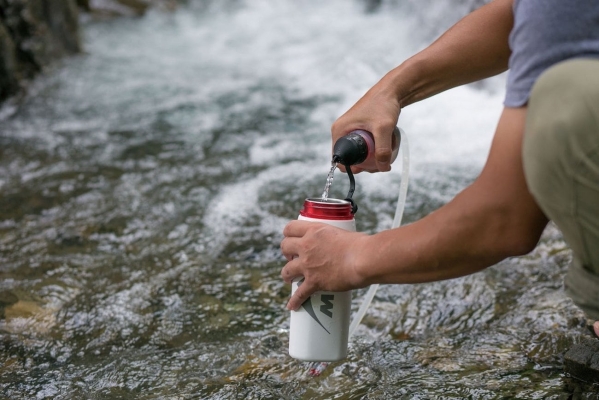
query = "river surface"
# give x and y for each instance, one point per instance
(144, 186)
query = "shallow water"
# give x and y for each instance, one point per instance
(144, 186)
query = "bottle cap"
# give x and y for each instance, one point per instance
(332, 209)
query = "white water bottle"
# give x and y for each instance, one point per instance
(319, 329)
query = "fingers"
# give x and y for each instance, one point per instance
(288, 248)
(355, 169)
(291, 270)
(291, 246)
(293, 232)
(297, 229)
(303, 291)
(383, 151)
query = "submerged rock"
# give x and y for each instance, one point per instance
(28, 317)
(581, 362)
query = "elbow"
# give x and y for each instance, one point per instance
(519, 235)
(521, 244)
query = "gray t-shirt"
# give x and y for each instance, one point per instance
(546, 32)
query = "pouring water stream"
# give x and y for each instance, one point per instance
(327, 186)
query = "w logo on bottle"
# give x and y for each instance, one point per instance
(327, 304)
(326, 308)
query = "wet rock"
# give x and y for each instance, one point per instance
(581, 363)
(22, 309)
(124, 7)
(8, 64)
(580, 390)
(33, 33)
(7, 299)
(118, 7)
(29, 317)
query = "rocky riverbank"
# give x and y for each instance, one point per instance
(34, 33)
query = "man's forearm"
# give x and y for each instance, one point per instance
(475, 48)
(493, 218)
(463, 237)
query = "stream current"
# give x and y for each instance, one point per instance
(144, 186)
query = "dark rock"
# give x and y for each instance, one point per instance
(580, 390)
(582, 361)
(128, 8)
(33, 33)
(84, 5)
(8, 64)
(7, 299)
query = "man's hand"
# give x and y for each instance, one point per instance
(377, 112)
(324, 255)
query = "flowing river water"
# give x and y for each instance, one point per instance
(144, 186)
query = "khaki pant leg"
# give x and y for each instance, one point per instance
(561, 165)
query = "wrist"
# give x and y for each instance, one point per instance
(405, 82)
(362, 261)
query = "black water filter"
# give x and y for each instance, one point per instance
(357, 148)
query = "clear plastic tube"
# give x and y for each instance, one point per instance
(401, 202)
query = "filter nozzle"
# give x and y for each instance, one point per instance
(350, 149)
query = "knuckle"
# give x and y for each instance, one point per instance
(283, 245)
(340, 122)
(383, 152)
(335, 126)
(383, 155)
(321, 232)
(390, 124)
(388, 121)
(286, 230)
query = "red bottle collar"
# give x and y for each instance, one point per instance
(330, 209)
